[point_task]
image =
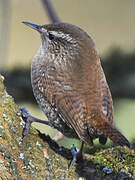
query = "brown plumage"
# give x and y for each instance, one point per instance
(70, 86)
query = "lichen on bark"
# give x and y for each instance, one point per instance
(28, 159)
(25, 159)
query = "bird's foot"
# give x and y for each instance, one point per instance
(25, 113)
(77, 155)
(26, 116)
(29, 119)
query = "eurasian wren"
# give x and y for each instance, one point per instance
(70, 86)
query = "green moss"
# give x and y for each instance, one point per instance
(117, 159)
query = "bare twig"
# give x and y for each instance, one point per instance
(51, 12)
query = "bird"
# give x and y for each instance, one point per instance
(70, 86)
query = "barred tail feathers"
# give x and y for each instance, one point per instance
(101, 123)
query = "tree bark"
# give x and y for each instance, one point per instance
(39, 157)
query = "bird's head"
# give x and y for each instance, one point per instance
(63, 38)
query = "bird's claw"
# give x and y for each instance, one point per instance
(25, 116)
(74, 152)
(25, 113)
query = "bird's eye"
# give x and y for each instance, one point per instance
(51, 36)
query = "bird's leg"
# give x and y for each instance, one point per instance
(77, 154)
(29, 119)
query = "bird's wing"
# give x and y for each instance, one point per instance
(71, 105)
(74, 113)
(57, 89)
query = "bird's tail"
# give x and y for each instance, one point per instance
(101, 123)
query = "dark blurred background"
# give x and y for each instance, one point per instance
(111, 25)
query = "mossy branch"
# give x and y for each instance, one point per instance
(39, 157)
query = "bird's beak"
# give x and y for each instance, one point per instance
(33, 26)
